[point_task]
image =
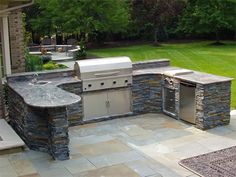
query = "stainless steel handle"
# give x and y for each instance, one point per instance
(106, 74)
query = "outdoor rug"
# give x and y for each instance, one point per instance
(220, 163)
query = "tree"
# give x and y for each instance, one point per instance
(205, 17)
(156, 15)
(85, 17)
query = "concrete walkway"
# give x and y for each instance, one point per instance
(148, 145)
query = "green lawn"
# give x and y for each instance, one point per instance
(200, 56)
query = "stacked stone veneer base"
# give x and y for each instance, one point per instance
(151, 64)
(213, 105)
(42, 129)
(74, 111)
(147, 94)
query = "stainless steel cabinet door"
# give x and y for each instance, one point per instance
(95, 105)
(119, 101)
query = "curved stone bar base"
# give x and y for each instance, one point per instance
(42, 129)
(41, 114)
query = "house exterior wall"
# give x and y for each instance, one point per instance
(16, 41)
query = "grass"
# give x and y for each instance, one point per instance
(200, 56)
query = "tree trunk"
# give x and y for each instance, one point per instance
(217, 37)
(155, 36)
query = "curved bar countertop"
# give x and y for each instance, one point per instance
(48, 95)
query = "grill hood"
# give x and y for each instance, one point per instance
(102, 65)
(104, 73)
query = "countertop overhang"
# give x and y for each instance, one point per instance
(48, 95)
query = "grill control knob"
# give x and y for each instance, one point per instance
(114, 82)
(90, 85)
(102, 83)
(126, 81)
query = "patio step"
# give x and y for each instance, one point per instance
(10, 142)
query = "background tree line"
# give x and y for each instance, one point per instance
(96, 21)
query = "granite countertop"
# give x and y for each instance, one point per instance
(48, 95)
(203, 78)
(193, 76)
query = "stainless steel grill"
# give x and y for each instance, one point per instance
(99, 74)
(105, 84)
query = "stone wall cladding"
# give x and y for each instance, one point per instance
(35, 129)
(17, 41)
(58, 133)
(42, 129)
(75, 88)
(17, 113)
(74, 111)
(41, 75)
(151, 64)
(213, 105)
(147, 94)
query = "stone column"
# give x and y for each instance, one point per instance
(58, 128)
(17, 41)
(213, 105)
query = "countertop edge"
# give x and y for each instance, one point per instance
(39, 106)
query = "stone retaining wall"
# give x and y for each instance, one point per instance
(213, 105)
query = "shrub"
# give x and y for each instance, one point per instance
(81, 53)
(33, 63)
(52, 65)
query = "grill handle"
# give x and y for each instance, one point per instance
(106, 74)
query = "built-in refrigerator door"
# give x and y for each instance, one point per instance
(187, 102)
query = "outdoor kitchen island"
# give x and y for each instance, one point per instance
(41, 112)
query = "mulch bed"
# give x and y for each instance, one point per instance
(220, 163)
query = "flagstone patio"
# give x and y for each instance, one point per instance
(147, 145)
